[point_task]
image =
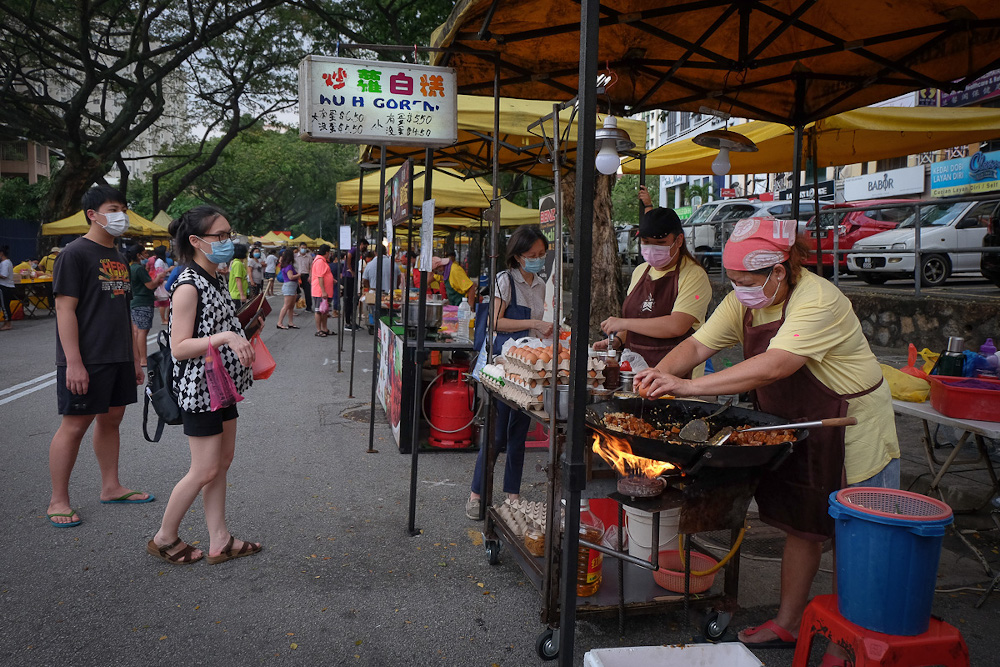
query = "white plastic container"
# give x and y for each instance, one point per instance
(729, 654)
(639, 526)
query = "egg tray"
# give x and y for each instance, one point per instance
(543, 369)
(519, 515)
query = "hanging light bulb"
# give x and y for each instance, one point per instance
(720, 165)
(607, 158)
(612, 141)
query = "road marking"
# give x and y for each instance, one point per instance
(28, 383)
(28, 391)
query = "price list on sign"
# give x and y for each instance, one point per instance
(370, 102)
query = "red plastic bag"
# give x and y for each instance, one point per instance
(221, 388)
(911, 365)
(263, 362)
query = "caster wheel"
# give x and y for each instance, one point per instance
(716, 624)
(493, 552)
(547, 644)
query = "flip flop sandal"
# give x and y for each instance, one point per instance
(64, 525)
(182, 557)
(320, 334)
(785, 638)
(292, 326)
(281, 327)
(125, 499)
(248, 549)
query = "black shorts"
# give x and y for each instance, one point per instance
(110, 386)
(204, 424)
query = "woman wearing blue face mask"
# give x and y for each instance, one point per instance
(520, 292)
(806, 358)
(203, 316)
(669, 293)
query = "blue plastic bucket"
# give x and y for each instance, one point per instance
(888, 546)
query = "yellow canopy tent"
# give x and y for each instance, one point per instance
(521, 150)
(272, 239)
(77, 224)
(454, 197)
(317, 242)
(162, 219)
(303, 238)
(854, 136)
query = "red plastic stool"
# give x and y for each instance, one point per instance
(942, 644)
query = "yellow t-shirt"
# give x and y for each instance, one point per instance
(459, 279)
(694, 289)
(47, 262)
(820, 324)
(23, 266)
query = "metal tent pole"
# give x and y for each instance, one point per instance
(814, 151)
(418, 353)
(340, 319)
(355, 288)
(378, 299)
(796, 171)
(574, 468)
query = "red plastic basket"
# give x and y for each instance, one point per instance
(893, 504)
(671, 572)
(951, 399)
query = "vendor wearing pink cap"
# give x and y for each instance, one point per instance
(805, 358)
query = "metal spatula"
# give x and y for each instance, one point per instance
(727, 432)
(697, 430)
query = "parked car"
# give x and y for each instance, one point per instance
(945, 226)
(711, 223)
(851, 222)
(990, 262)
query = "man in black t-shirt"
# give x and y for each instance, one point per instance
(97, 365)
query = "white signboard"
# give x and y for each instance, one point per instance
(372, 102)
(345, 237)
(427, 235)
(892, 183)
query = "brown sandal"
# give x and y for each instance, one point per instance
(248, 549)
(182, 557)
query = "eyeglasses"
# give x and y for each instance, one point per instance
(222, 236)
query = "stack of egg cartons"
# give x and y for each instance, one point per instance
(519, 515)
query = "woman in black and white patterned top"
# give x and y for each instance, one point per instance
(202, 315)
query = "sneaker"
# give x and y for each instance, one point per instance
(472, 508)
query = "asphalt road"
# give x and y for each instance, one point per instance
(339, 582)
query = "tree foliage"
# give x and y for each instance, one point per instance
(267, 178)
(625, 198)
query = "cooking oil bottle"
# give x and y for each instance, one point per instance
(589, 561)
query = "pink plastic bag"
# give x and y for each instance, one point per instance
(221, 388)
(324, 306)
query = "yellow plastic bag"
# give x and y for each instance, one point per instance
(906, 387)
(930, 359)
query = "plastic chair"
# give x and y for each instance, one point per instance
(942, 644)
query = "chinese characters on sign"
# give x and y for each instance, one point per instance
(370, 102)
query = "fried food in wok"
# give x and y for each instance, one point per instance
(630, 424)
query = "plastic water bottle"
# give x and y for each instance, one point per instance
(464, 320)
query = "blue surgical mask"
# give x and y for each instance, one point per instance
(534, 265)
(222, 252)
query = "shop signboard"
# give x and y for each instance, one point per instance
(984, 88)
(389, 386)
(891, 183)
(684, 212)
(371, 102)
(727, 193)
(548, 221)
(967, 175)
(826, 191)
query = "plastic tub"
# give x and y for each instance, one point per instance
(966, 398)
(730, 654)
(888, 547)
(671, 572)
(639, 526)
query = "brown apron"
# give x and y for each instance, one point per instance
(794, 497)
(653, 298)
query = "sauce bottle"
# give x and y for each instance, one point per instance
(612, 374)
(589, 561)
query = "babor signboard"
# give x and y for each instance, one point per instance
(370, 102)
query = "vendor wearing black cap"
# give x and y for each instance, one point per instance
(669, 293)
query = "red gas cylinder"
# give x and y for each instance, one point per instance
(451, 405)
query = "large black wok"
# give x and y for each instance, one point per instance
(693, 456)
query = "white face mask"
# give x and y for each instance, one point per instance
(117, 223)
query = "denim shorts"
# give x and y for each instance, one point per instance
(886, 478)
(142, 317)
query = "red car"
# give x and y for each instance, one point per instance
(853, 221)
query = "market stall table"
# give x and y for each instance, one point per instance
(34, 295)
(397, 375)
(978, 430)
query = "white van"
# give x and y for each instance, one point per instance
(710, 225)
(944, 226)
